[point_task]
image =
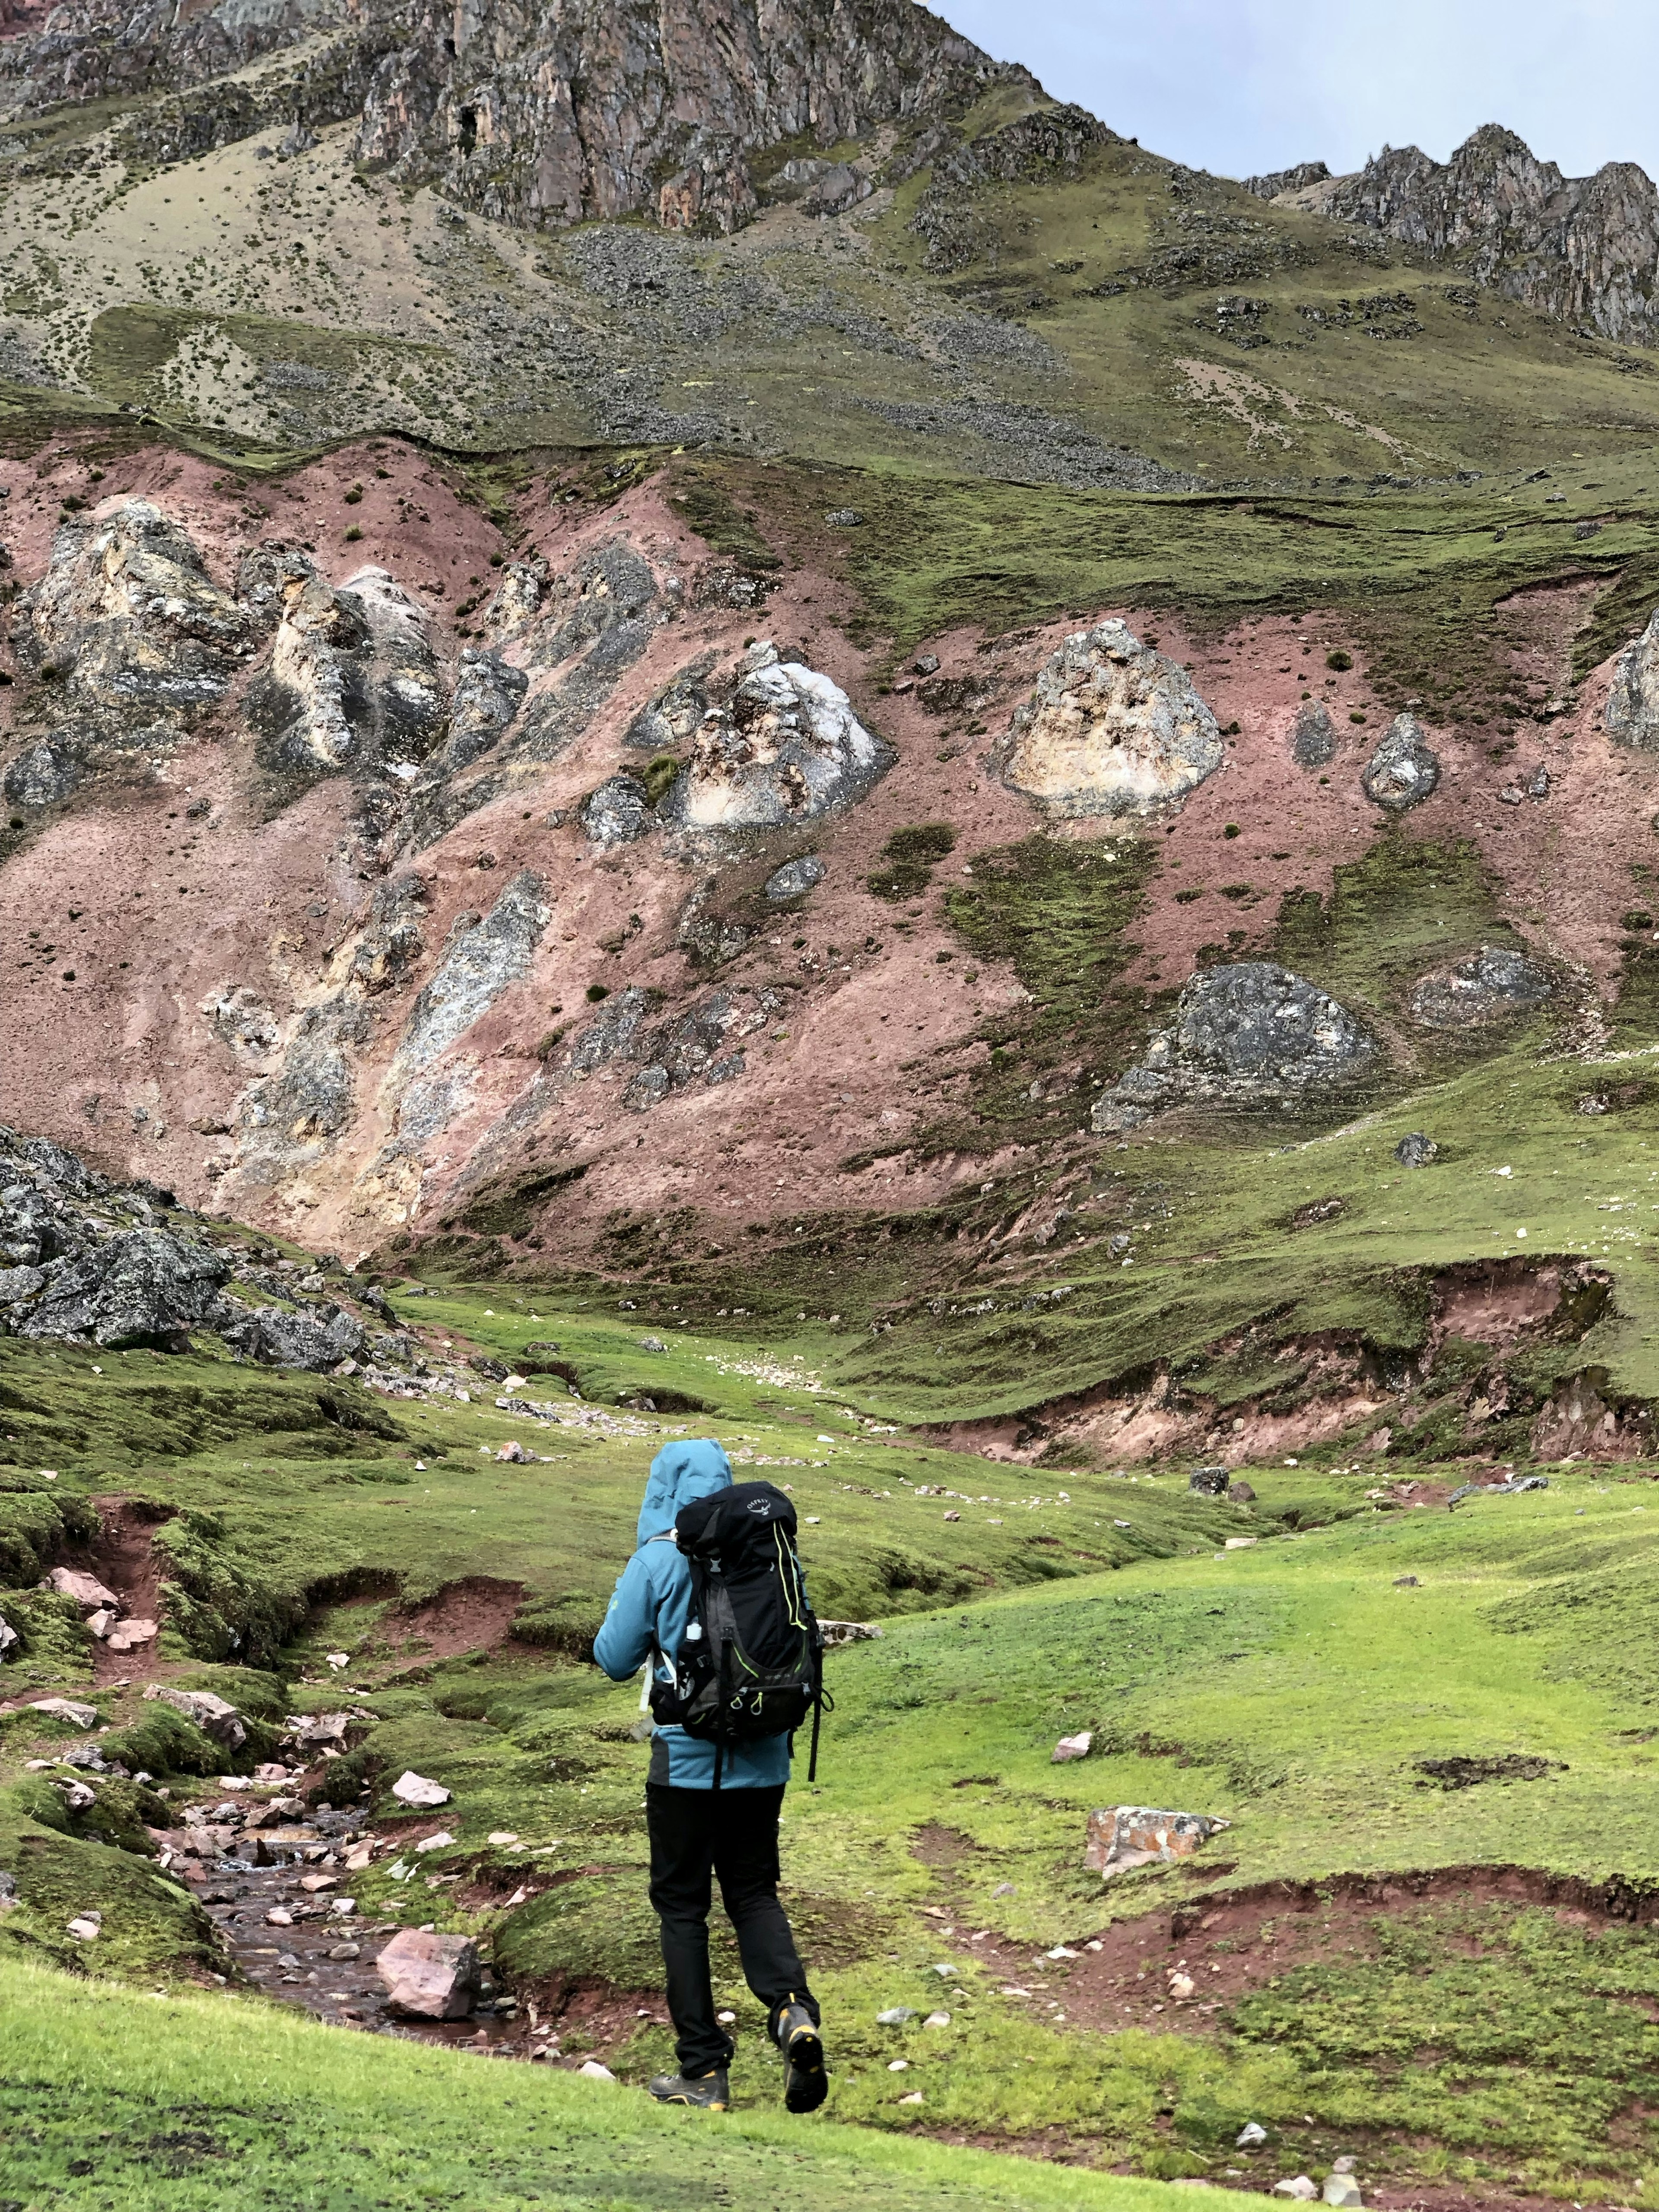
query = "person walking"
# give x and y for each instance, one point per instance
(712, 1809)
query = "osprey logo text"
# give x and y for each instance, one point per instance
(761, 1505)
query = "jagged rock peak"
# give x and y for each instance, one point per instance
(1295, 179)
(1585, 249)
(585, 109)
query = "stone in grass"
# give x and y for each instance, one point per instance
(595, 2071)
(412, 1789)
(1415, 1151)
(1126, 1836)
(1249, 2136)
(1303, 2190)
(435, 1843)
(915, 2097)
(7, 1892)
(896, 2016)
(1341, 2189)
(215, 1716)
(66, 1709)
(1071, 1746)
(937, 2020)
(428, 1976)
(1208, 1481)
(86, 1927)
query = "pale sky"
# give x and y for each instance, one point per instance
(1242, 86)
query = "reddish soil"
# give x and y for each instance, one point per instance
(169, 910)
(473, 1614)
(1232, 1943)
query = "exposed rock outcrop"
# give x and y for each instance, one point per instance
(1252, 1035)
(1295, 180)
(315, 1337)
(788, 750)
(1632, 710)
(1112, 728)
(1583, 248)
(1313, 739)
(1403, 770)
(88, 1260)
(353, 683)
(618, 813)
(129, 640)
(1494, 983)
(564, 114)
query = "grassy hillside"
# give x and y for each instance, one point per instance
(192, 2100)
(1382, 1984)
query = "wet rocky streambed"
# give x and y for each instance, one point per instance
(276, 1878)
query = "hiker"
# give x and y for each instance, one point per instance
(713, 1805)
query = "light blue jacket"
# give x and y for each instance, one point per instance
(648, 1614)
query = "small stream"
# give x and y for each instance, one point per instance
(324, 1960)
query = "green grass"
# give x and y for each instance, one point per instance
(185, 2103)
(1291, 1687)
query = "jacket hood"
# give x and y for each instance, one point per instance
(695, 1467)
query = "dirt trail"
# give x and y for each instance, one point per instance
(124, 1560)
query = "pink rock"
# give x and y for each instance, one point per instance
(1072, 1747)
(429, 1977)
(99, 1624)
(128, 1635)
(1126, 1836)
(87, 1590)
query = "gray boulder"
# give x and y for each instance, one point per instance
(794, 878)
(489, 693)
(1112, 728)
(139, 1287)
(1632, 709)
(675, 714)
(1403, 770)
(789, 749)
(1252, 1034)
(1208, 1481)
(1313, 739)
(315, 1337)
(33, 1225)
(618, 813)
(1497, 981)
(214, 1716)
(43, 774)
(127, 613)
(1415, 1151)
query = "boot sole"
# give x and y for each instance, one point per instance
(692, 2103)
(808, 2081)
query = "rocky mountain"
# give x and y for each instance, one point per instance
(561, 114)
(1584, 249)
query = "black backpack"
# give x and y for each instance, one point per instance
(751, 1662)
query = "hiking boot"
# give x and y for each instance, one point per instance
(806, 2081)
(708, 2091)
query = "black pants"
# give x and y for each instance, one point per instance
(732, 1833)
